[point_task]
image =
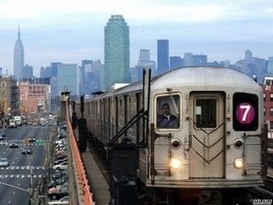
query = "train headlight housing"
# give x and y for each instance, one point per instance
(176, 143)
(238, 143)
(238, 163)
(175, 163)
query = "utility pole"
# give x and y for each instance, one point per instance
(31, 180)
(82, 129)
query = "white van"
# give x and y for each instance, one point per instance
(12, 123)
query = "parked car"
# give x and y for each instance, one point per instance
(61, 142)
(61, 148)
(61, 156)
(58, 161)
(62, 135)
(64, 200)
(58, 182)
(58, 192)
(4, 162)
(61, 166)
(58, 175)
(60, 152)
(1, 136)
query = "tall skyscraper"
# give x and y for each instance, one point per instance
(188, 59)
(116, 51)
(144, 62)
(67, 78)
(18, 58)
(162, 56)
(270, 65)
(51, 70)
(175, 62)
(91, 76)
(27, 72)
(200, 60)
(252, 66)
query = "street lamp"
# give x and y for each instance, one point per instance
(31, 184)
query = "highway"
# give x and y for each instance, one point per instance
(25, 170)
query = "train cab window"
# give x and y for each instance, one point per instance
(168, 112)
(205, 113)
(271, 125)
(245, 112)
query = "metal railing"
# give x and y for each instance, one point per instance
(83, 188)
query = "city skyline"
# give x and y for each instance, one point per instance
(67, 32)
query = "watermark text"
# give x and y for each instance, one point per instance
(262, 202)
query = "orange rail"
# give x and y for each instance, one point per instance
(83, 186)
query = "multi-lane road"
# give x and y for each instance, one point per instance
(25, 170)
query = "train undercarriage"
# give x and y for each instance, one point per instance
(126, 187)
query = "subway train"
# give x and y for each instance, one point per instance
(200, 130)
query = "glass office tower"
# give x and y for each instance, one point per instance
(162, 56)
(116, 51)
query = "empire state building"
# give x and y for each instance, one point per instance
(18, 60)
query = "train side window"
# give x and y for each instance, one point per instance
(245, 112)
(168, 116)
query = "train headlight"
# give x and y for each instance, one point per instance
(175, 163)
(238, 143)
(238, 163)
(176, 143)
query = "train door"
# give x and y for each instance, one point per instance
(207, 131)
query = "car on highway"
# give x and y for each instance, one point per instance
(1, 136)
(26, 150)
(62, 201)
(31, 139)
(2, 132)
(13, 145)
(4, 162)
(12, 123)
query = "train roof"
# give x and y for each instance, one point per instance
(205, 77)
(201, 76)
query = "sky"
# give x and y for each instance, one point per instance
(69, 31)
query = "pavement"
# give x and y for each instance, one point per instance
(99, 186)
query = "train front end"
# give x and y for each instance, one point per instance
(215, 139)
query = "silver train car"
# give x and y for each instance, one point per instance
(216, 137)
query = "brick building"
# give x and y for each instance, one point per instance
(9, 100)
(268, 101)
(34, 97)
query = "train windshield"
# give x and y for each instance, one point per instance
(205, 112)
(168, 112)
